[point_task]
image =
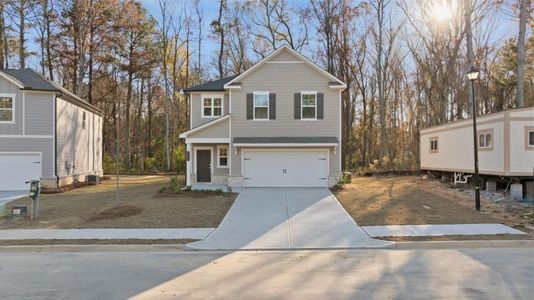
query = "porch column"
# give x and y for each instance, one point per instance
(188, 168)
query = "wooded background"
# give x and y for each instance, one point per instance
(404, 62)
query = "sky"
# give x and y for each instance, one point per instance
(506, 25)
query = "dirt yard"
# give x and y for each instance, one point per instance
(140, 205)
(403, 200)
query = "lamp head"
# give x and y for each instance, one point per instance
(473, 74)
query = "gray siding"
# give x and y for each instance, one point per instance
(76, 144)
(43, 145)
(39, 113)
(6, 87)
(220, 130)
(285, 80)
(196, 107)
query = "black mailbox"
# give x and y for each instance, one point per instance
(34, 189)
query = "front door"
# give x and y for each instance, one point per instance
(203, 165)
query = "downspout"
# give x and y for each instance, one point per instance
(55, 138)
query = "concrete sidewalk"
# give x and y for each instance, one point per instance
(106, 234)
(437, 230)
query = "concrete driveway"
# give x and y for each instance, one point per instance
(287, 218)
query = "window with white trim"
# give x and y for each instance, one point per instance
(308, 105)
(485, 140)
(261, 105)
(531, 138)
(212, 107)
(433, 144)
(7, 104)
(222, 157)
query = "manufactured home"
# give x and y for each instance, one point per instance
(505, 148)
(46, 133)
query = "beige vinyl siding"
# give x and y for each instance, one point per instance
(521, 159)
(75, 144)
(196, 108)
(284, 56)
(285, 80)
(219, 130)
(508, 156)
(39, 115)
(6, 87)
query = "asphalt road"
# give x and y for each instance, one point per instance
(328, 274)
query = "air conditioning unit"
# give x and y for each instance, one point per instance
(93, 179)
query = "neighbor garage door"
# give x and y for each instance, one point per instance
(285, 168)
(16, 169)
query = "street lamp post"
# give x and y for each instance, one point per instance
(473, 76)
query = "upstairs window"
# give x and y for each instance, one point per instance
(433, 145)
(309, 106)
(84, 117)
(7, 114)
(212, 107)
(531, 138)
(261, 105)
(485, 140)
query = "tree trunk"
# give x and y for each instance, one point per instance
(2, 33)
(127, 155)
(523, 15)
(468, 10)
(221, 34)
(21, 35)
(48, 37)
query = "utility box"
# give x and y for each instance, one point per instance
(93, 179)
(516, 191)
(530, 190)
(491, 186)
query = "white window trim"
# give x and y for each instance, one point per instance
(528, 137)
(485, 140)
(219, 157)
(432, 139)
(13, 108)
(211, 96)
(254, 106)
(302, 105)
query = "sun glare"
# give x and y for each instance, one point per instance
(442, 11)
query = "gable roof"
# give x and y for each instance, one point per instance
(205, 125)
(334, 81)
(29, 80)
(211, 86)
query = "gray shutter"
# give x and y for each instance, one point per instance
(297, 106)
(272, 106)
(320, 106)
(250, 107)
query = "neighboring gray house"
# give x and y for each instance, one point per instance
(278, 124)
(46, 133)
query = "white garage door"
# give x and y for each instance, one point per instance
(287, 168)
(16, 169)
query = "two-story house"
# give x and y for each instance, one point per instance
(278, 124)
(46, 133)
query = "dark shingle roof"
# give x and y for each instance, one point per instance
(287, 140)
(31, 80)
(211, 86)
